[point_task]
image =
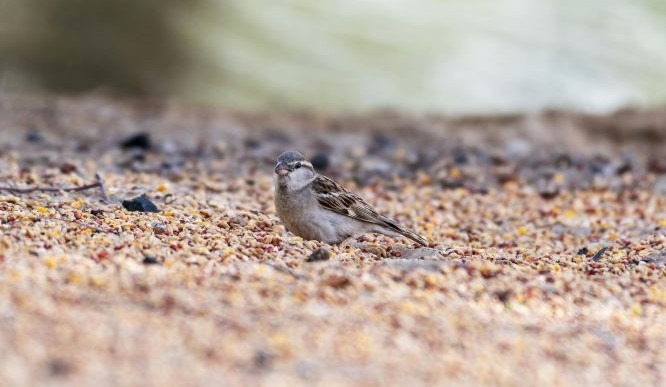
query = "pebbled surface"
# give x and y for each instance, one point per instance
(211, 289)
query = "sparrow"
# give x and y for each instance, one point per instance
(313, 206)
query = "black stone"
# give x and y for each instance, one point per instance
(34, 137)
(321, 254)
(381, 142)
(599, 253)
(262, 359)
(140, 203)
(58, 367)
(140, 140)
(148, 260)
(460, 158)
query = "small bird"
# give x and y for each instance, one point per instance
(313, 206)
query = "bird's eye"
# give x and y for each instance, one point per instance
(297, 165)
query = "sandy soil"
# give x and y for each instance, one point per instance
(546, 266)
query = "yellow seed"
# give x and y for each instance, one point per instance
(162, 188)
(51, 263)
(15, 276)
(454, 173)
(96, 280)
(570, 214)
(521, 231)
(42, 210)
(77, 203)
(74, 278)
(636, 309)
(662, 223)
(280, 342)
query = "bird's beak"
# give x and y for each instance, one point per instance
(281, 169)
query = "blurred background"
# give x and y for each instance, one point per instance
(453, 56)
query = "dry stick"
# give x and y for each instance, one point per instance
(98, 183)
(102, 187)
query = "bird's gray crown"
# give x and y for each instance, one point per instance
(289, 157)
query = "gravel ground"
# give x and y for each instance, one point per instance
(547, 263)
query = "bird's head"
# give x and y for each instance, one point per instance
(293, 170)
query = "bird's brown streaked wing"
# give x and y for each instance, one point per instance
(335, 198)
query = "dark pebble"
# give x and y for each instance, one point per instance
(67, 168)
(657, 166)
(58, 367)
(262, 359)
(447, 183)
(140, 203)
(96, 212)
(172, 165)
(150, 261)
(321, 254)
(460, 158)
(598, 254)
(137, 141)
(34, 137)
(582, 251)
(320, 161)
(252, 143)
(381, 142)
(549, 193)
(503, 295)
(623, 168)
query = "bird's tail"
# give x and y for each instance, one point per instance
(394, 227)
(414, 236)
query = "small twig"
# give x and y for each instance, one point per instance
(98, 183)
(102, 187)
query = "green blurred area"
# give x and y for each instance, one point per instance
(451, 56)
(131, 47)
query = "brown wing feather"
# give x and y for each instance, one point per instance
(334, 197)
